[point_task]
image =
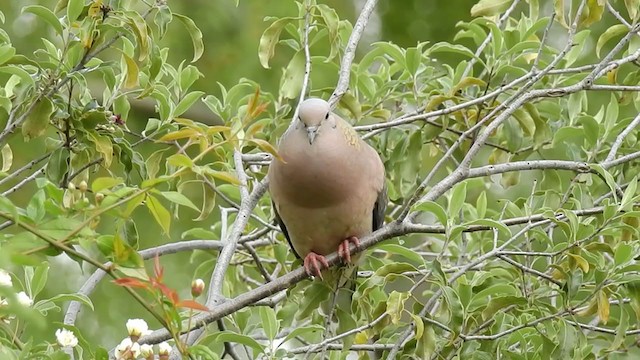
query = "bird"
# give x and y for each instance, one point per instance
(327, 186)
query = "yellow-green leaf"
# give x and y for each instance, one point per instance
(419, 325)
(603, 307)
(466, 82)
(178, 198)
(180, 134)
(395, 305)
(581, 262)
(593, 11)
(103, 146)
(632, 7)
(269, 39)
(180, 160)
(102, 183)
(131, 76)
(7, 158)
(159, 212)
(38, 120)
(223, 175)
(489, 7)
(139, 27)
(195, 34)
(267, 147)
(615, 30)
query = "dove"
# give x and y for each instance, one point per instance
(328, 187)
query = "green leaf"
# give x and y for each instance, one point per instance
(139, 27)
(180, 160)
(195, 34)
(481, 204)
(624, 253)
(81, 298)
(405, 252)
(504, 229)
(435, 209)
(629, 195)
(500, 302)
(610, 33)
(269, 39)
(489, 7)
(74, 9)
(632, 7)
(178, 198)
(458, 196)
(103, 146)
(186, 102)
(46, 15)
(38, 120)
(293, 75)
(35, 209)
(269, 322)
(303, 330)
(25, 77)
(39, 279)
(228, 336)
(332, 21)
(159, 212)
(208, 202)
(102, 183)
(162, 19)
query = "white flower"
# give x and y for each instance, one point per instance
(137, 327)
(66, 338)
(24, 299)
(127, 349)
(5, 279)
(146, 350)
(164, 348)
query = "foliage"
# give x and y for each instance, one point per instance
(510, 156)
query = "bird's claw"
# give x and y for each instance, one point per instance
(312, 264)
(343, 249)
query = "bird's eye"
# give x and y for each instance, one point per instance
(326, 116)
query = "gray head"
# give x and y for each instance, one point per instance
(311, 114)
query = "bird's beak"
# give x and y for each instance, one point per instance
(312, 131)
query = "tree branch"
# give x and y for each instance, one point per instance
(350, 52)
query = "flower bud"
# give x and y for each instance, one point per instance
(82, 186)
(197, 287)
(99, 198)
(71, 186)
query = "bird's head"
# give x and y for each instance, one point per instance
(311, 114)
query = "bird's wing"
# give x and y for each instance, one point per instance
(283, 227)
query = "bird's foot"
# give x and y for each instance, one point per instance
(312, 264)
(343, 249)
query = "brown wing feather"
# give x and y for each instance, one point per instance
(379, 209)
(283, 227)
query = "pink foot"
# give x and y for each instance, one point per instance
(343, 249)
(312, 264)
